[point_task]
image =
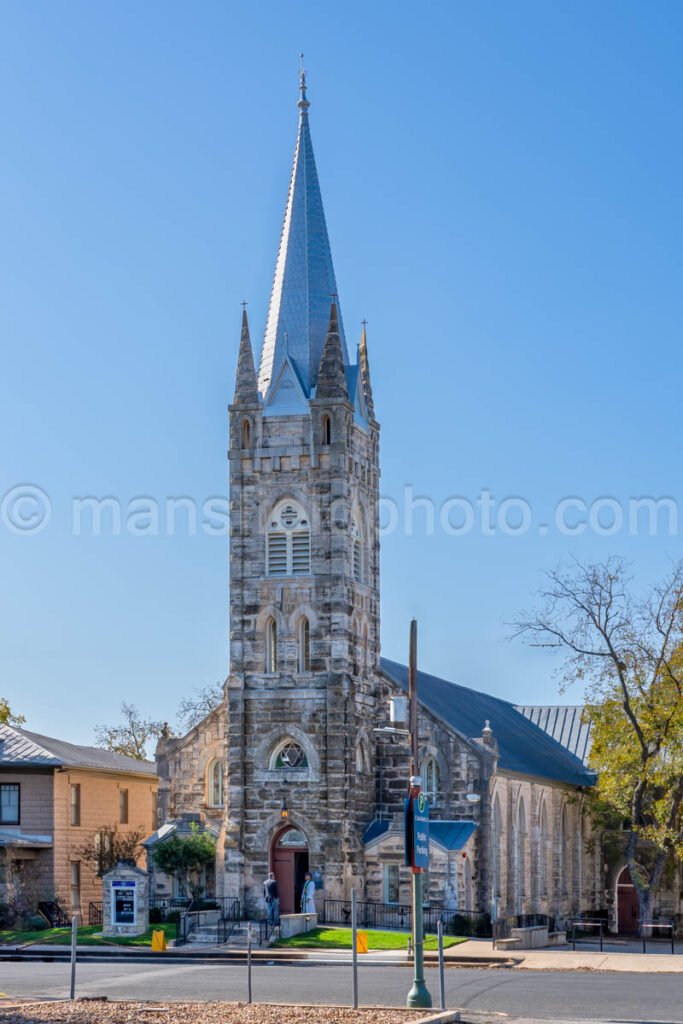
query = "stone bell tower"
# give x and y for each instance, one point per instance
(304, 576)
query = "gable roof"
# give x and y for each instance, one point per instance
(451, 835)
(22, 747)
(524, 747)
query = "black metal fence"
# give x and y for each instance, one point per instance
(53, 912)
(95, 912)
(399, 916)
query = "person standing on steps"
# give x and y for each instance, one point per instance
(272, 896)
(307, 895)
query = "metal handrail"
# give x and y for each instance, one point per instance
(659, 924)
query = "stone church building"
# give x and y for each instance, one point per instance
(299, 768)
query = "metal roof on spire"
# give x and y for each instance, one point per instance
(304, 275)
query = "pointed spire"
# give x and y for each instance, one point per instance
(331, 375)
(364, 365)
(304, 273)
(246, 389)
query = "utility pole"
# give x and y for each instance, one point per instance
(419, 993)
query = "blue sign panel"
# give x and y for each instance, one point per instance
(421, 832)
(417, 832)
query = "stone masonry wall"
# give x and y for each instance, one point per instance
(330, 709)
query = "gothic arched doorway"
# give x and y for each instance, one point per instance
(627, 904)
(289, 859)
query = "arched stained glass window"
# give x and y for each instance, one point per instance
(290, 755)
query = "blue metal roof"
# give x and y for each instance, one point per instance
(452, 835)
(565, 723)
(523, 746)
(304, 281)
(374, 830)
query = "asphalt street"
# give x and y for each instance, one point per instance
(539, 994)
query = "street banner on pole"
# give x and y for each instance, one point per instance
(417, 832)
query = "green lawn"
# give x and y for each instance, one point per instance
(89, 935)
(340, 938)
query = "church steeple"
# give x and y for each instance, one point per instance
(246, 390)
(304, 274)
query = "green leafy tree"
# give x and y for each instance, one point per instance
(131, 736)
(7, 716)
(628, 651)
(185, 857)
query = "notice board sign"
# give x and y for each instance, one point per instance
(123, 902)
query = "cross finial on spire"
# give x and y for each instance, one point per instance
(243, 303)
(303, 102)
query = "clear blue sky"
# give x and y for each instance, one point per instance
(502, 184)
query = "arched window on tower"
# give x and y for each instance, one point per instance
(288, 543)
(289, 754)
(431, 779)
(326, 430)
(358, 547)
(246, 434)
(304, 652)
(215, 796)
(365, 652)
(271, 646)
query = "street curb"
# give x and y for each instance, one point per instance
(443, 1017)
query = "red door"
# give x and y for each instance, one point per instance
(627, 904)
(289, 865)
(283, 868)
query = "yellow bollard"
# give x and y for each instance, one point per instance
(361, 942)
(158, 940)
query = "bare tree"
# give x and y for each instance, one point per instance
(629, 652)
(131, 736)
(108, 846)
(193, 709)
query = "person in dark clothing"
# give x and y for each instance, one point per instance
(272, 896)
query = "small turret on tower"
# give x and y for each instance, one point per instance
(246, 386)
(364, 365)
(331, 375)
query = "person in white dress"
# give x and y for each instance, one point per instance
(307, 895)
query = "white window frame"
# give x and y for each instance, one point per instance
(288, 541)
(387, 868)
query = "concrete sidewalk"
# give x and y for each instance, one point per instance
(563, 958)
